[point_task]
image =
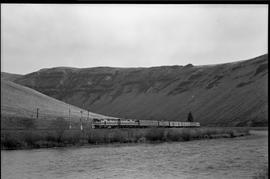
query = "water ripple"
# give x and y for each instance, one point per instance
(219, 158)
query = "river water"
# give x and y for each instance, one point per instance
(241, 157)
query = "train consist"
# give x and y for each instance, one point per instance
(131, 123)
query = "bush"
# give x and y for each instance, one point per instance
(10, 142)
(60, 125)
(30, 138)
(155, 134)
(51, 137)
(72, 137)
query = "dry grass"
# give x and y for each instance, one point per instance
(21, 101)
(49, 138)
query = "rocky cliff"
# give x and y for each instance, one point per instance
(231, 94)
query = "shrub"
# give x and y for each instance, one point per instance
(60, 125)
(51, 137)
(10, 142)
(173, 135)
(155, 134)
(72, 137)
(31, 138)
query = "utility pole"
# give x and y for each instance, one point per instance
(87, 118)
(37, 113)
(69, 118)
(81, 121)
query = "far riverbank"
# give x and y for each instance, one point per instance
(238, 157)
(29, 139)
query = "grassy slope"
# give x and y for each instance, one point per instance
(9, 76)
(20, 101)
(232, 94)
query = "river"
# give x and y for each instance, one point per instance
(241, 157)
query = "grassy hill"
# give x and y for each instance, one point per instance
(19, 102)
(231, 94)
(9, 76)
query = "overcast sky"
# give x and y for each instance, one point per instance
(76, 35)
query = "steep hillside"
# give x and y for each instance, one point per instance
(9, 76)
(232, 94)
(20, 101)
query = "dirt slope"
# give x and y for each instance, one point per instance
(232, 94)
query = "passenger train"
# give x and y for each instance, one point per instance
(131, 123)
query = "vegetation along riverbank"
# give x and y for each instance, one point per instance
(26, 139)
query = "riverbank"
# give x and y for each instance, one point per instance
(28, 139)
(239, 157)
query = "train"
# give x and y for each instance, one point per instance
(132, 123)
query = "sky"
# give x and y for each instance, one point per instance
(36, 36)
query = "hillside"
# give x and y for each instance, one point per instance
(231, 94)
(20, 101)
(9, 76)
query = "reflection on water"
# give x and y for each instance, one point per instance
(218, 158)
